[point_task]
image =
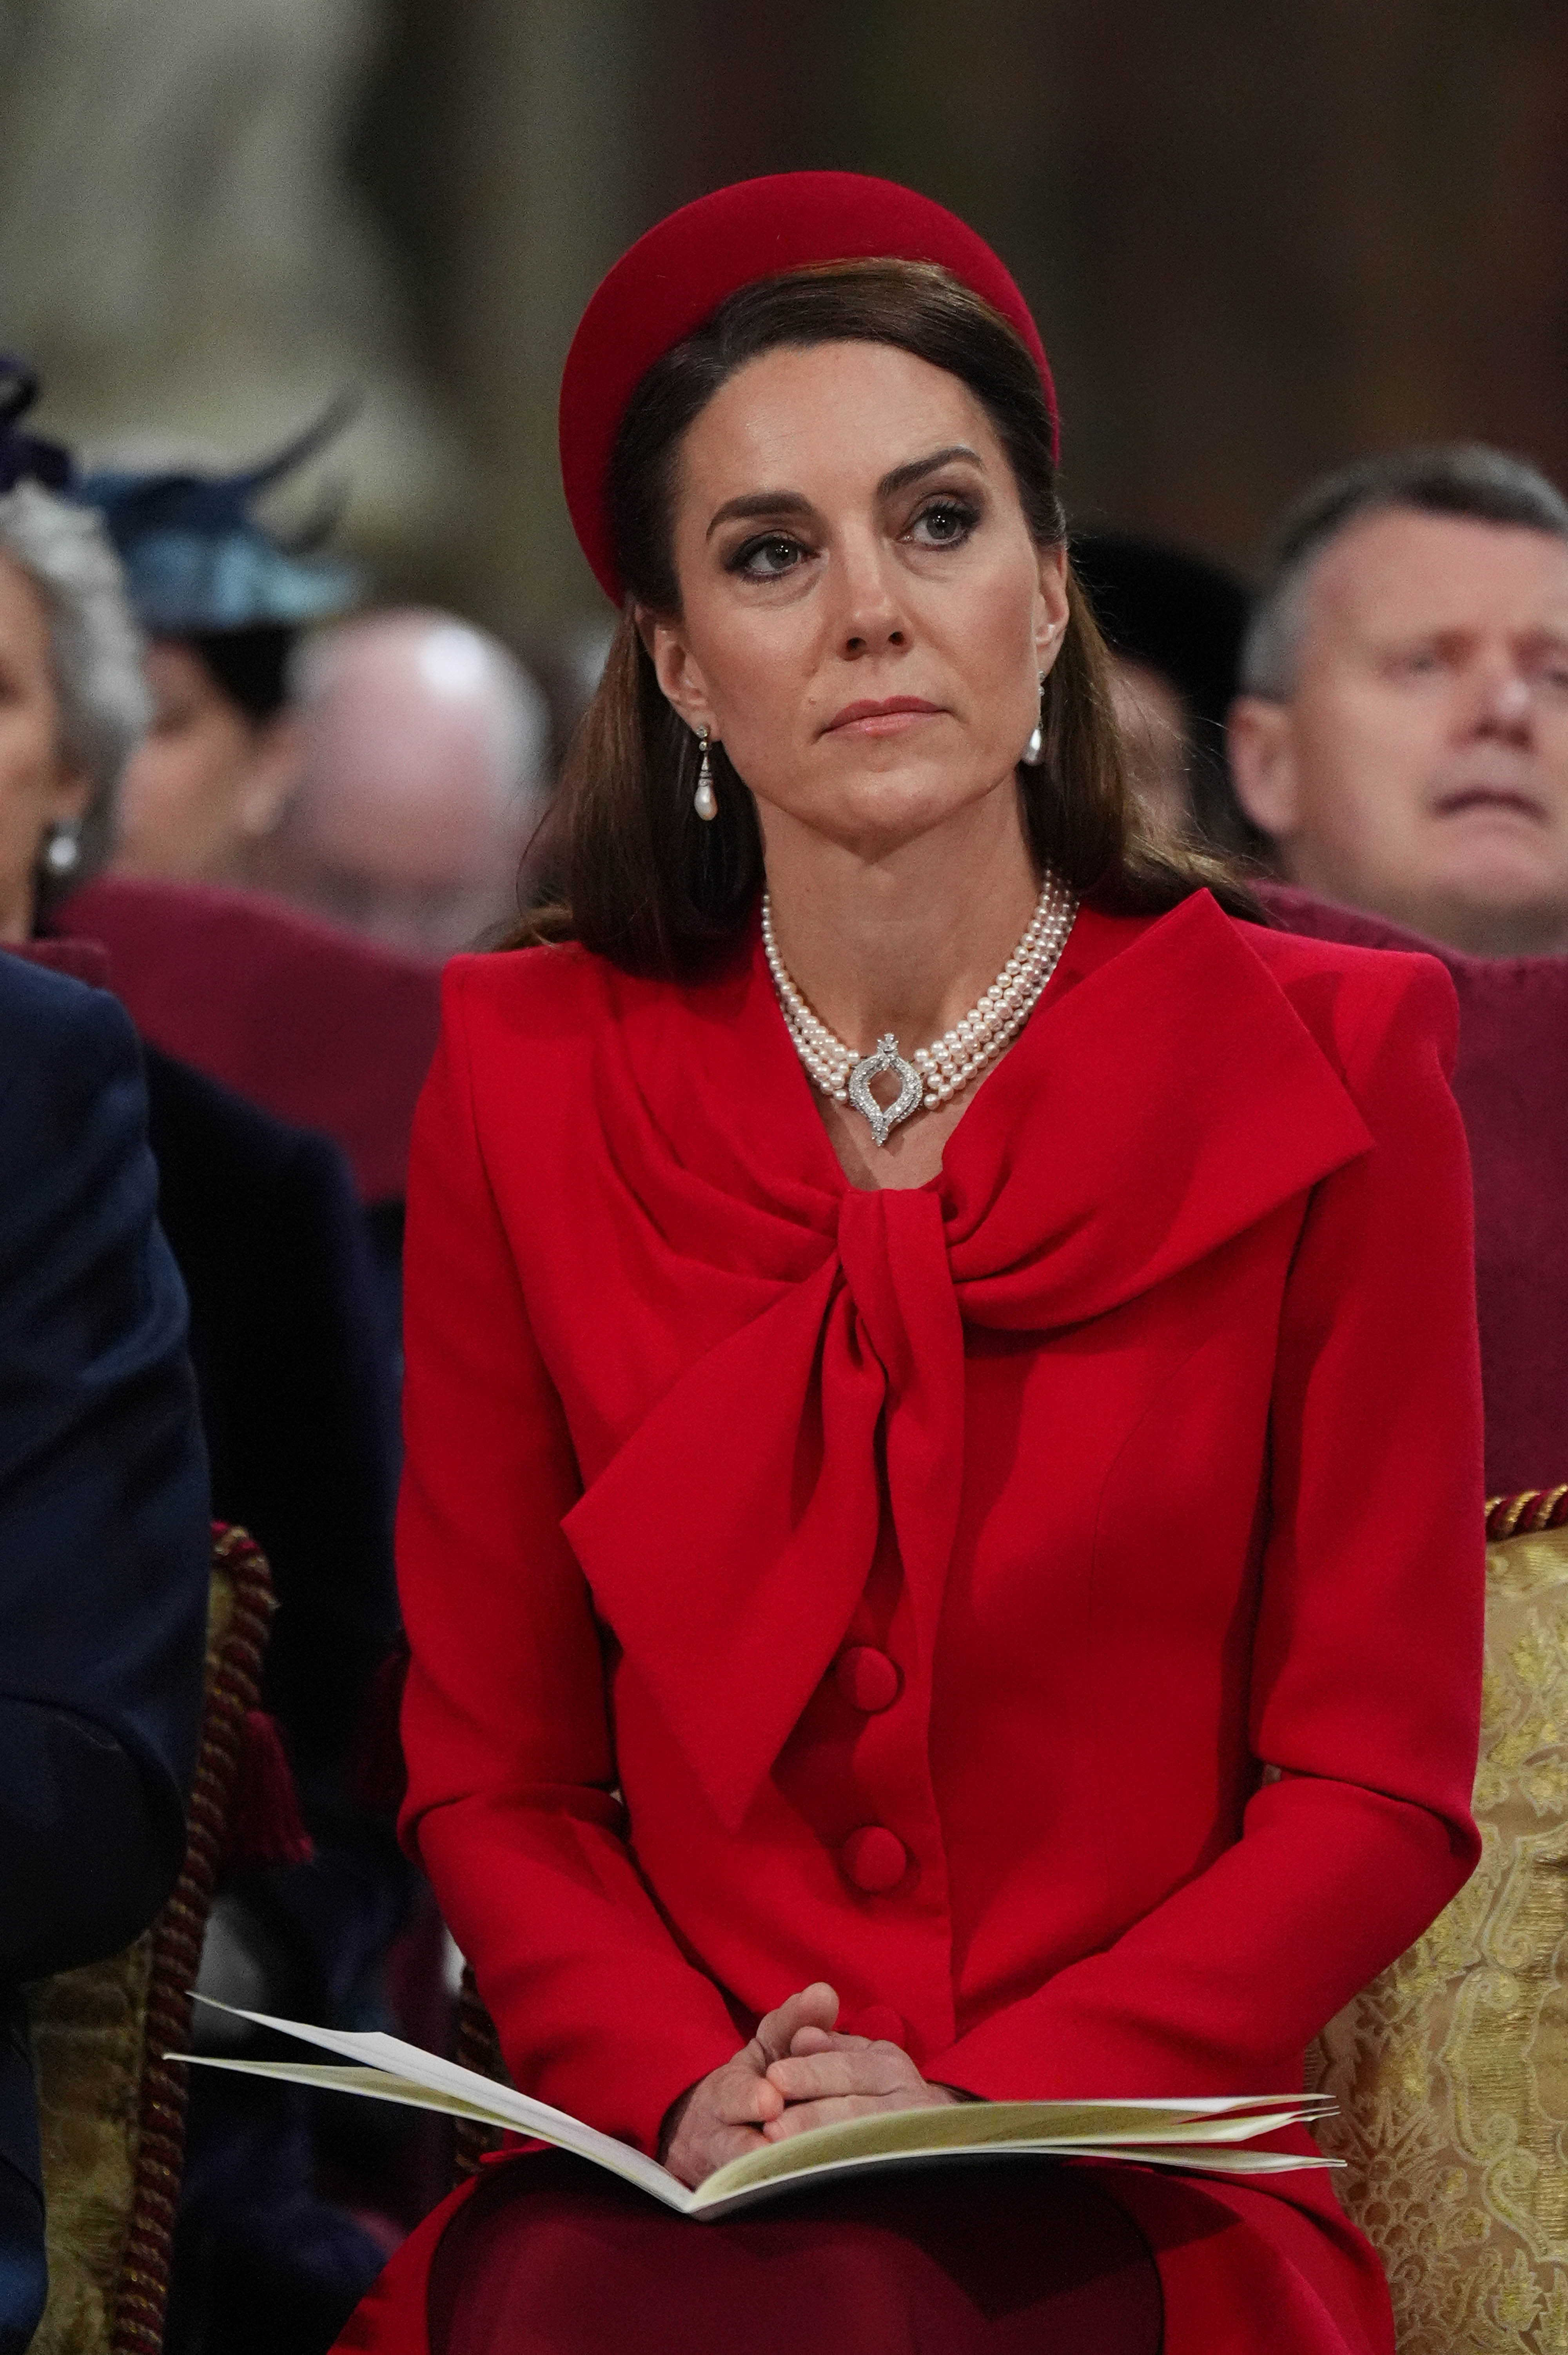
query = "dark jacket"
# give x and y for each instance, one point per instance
(103, 1540)
(298, 1396)
(298, 1405)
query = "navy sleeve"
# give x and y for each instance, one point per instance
(103, 1501)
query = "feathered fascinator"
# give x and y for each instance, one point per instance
(26, 457)
(198, 560)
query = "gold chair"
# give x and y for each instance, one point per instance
(1451, 2070)
(111, 2108)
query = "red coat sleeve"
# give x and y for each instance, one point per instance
(512, 1806)
(1365, 1683)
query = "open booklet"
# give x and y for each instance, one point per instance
(1207, 2135)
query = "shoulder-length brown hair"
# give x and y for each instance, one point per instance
(641, 878)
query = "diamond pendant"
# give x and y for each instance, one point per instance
(911, 1088)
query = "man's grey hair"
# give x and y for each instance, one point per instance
(95, 649)
(1460, 478)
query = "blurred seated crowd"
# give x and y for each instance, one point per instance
(245, 814)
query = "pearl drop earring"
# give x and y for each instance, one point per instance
(705, 801)
(62, 851)
(1034, 751)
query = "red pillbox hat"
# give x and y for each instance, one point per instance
(678, 275)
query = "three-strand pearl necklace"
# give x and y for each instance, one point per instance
(952, 1062)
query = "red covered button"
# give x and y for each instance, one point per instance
(867, 1678)
(874, 1860)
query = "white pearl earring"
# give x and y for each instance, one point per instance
(1034, 751)
(62, 851)
(705, 801)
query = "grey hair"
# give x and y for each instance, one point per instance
(95, 650)
(1460, 478)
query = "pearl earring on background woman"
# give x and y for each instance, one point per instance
(62, 847)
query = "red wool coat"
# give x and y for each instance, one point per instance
(1045, 1603)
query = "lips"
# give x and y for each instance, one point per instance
(1464, 799)
(867, 715)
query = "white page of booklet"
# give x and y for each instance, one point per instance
(1151, 2130)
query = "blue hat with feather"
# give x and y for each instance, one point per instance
(196, 560)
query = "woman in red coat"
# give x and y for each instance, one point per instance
(931, 1576)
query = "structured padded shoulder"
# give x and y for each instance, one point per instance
(1346, 996)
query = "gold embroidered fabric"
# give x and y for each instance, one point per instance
(89, 2037)
(1451, 2070)
(111, 2109)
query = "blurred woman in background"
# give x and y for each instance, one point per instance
(74, 705)
(298, 1408)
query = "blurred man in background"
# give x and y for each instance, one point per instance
(421, 778)
(223, 601)
(1403, 738)
(1402, 735)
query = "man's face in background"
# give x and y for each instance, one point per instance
(1419, 768)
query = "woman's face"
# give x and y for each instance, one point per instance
(865, 614)
(38, 791)
(200, 787)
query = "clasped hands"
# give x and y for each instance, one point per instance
(797, 2073)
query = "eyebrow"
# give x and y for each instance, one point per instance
(918, 468)
(795, 503)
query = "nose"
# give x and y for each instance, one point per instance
(1505, 703)
(870, 616)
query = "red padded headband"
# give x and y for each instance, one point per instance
(678, 275)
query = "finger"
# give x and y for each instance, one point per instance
(823, 2039)
(814, 2007)
(692, 2161)
(801, 2117)
(726, 2143)
(742, 2096)
(819, 2076)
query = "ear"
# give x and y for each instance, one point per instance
(1050, 606)
(1260, 739)
(680, 679)
(272, 776)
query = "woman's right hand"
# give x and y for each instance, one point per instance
(722, 2115)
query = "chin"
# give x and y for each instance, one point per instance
(1495, 907)
(1497, 871)
(889, 801)
(878, 825)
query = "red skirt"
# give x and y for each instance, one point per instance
(544, 2253)
(996, 2258)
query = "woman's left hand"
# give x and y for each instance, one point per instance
(827, 2077)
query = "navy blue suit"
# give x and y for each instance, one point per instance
(103, 1540)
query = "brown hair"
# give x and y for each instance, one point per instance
(643, 880)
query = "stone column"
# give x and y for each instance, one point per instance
(182, 250)
(545, 196)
